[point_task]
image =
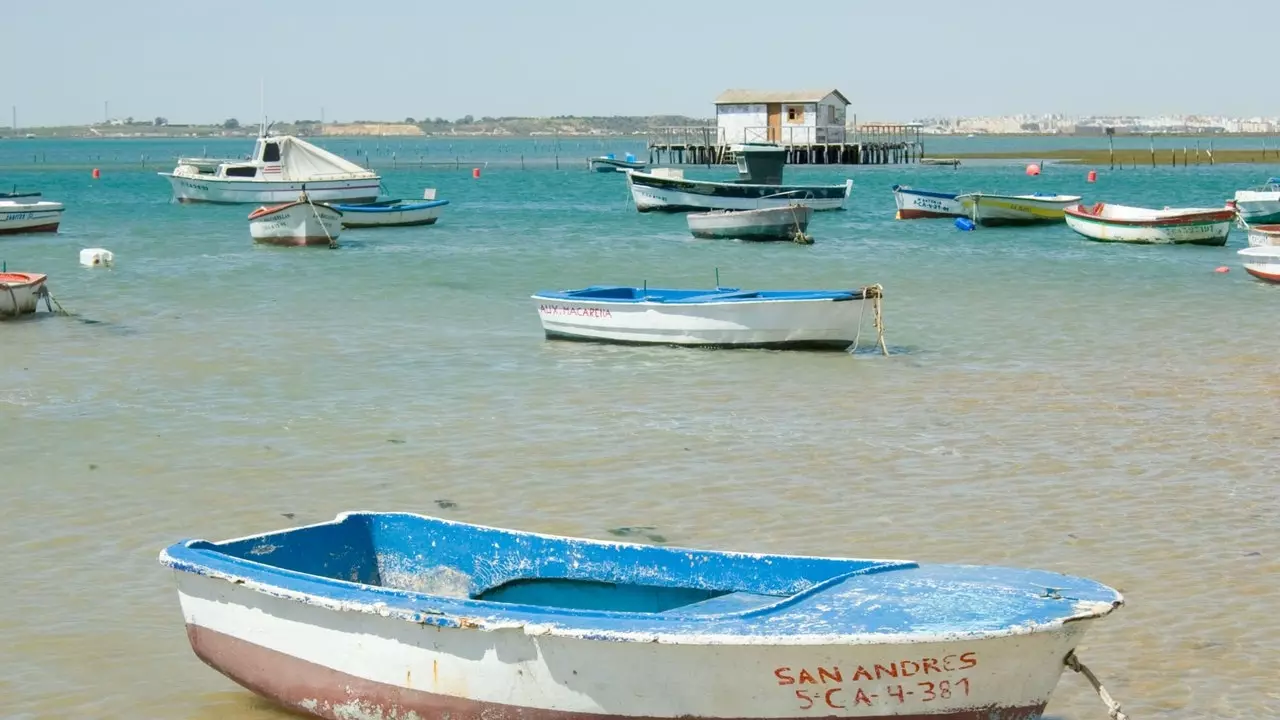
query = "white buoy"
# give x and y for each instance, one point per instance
(94, 257)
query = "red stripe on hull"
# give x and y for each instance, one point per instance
(50, 227)
(323, 692)
(1269, 277)
(918, 214)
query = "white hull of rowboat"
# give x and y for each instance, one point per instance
(1262, 262)
(295, 223)
(1171, 226)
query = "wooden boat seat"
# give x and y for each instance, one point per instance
(734, 602)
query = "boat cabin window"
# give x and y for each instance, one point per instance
(742, 164)
(242, 171)
(271, 152)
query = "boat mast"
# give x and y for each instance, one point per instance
(262, 105)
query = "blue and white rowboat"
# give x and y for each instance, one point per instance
(722, 317)
(393, 615)
(391, 213)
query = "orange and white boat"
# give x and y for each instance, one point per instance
(1264, 235)
(1262, 262)
(20, 292)
(300, 222)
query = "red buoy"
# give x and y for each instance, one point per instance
(1033, 169)
(475, 172)
(1093, 176)
(1222, 269)
(96, 174)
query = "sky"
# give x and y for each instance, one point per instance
(900, 60)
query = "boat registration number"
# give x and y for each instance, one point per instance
(929, 204)
(932, 681)
(17, 216)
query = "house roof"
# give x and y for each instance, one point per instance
(745, 97)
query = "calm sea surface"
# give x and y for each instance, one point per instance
(1107, 411)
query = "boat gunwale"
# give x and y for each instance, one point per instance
(1050, 199)
(32, 279)
(908, 190)
(847, 185)
(1199, 216)
(443, 611)
(388, 208)
(265, 210)
(707, 298)
(1261, 252)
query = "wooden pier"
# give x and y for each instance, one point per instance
(871, 144)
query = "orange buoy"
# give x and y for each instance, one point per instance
(1222, 269)
(96, 174)
(475, 172)
(1093, 176)
(1033, 169)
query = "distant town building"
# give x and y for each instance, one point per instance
(797, 117)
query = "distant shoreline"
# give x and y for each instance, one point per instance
(1132, 157)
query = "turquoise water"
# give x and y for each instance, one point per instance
(1102, 410)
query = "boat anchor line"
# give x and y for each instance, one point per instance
(1113, 708)
(44, 293)
(875, 293)
(332, 243)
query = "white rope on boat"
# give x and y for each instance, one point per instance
(332, 243)
(874, 293)
(1113, 707)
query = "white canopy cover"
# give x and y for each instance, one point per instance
(300, 161)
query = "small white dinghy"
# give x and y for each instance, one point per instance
(1262, 262)
(720, 317)
(1106, 222)
(300, 222)
(776, 223)
(20, 293)
(392, 213)
(27, 213)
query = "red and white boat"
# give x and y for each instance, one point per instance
(20, 292)
(1262, 262)
(1264, 235)
(1107, 222)
(914, 203)
(300, 222)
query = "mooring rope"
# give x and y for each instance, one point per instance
(875, 293)
(50, 301)
(1113, 707)
(14, 297)
(332, 243)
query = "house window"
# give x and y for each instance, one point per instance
(832, 115)
(795, 113)
(271, 152)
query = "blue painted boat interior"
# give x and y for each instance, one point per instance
(389, 206)
(437, 571)
(627, 294)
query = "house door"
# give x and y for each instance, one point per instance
(775, 122)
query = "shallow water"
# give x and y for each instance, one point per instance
(1107, 411)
